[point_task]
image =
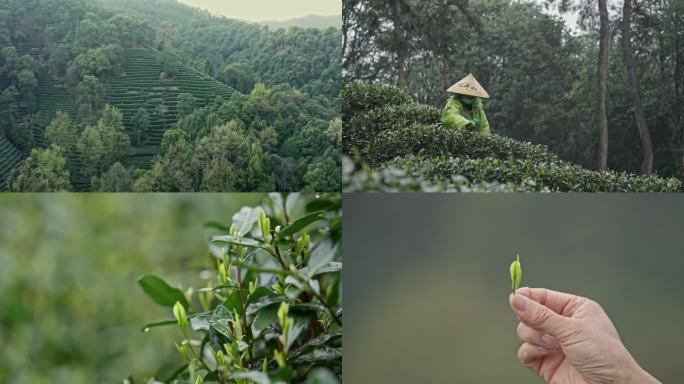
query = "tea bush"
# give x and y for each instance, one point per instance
(400, 146)
(364, 97)
(520, 175)
(434, 140)
(399, 178)
(271, 311)
(361, 129)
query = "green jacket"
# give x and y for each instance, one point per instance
(455, 115)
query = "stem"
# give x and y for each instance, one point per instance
(325, 303)
(245, 326)
(276, 251)
(287, 218)
(192, 349)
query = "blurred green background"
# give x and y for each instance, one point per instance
(70, 307)
(427, 279)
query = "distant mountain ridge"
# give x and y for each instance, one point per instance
(310, 21)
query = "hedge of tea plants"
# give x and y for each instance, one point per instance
(399, 145)
(270, 310)
(397, 177)
(519, 175)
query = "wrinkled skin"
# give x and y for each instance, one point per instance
(569, 339)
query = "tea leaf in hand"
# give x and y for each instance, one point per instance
(516, 273)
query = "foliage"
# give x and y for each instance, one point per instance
(62, 132)
(324, 175)
(186, 104)
(539, 69)
(400, 141)
(43, 171)
(71, 310)
(437, 139)
(272, 309)
(103, 145)
(226, 147)
(536, 176)
(85, 55)
(116, 179)
(363, 97)
(238, 76)
(141, 126)
(89, 96)
(396, 177)
(168, 63)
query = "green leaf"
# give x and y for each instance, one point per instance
(176, 373)
(197, 317)
(301, 322)
(321, 376)
(323, 353)
(516, 273)
(300, 224)
(237, 240)
(155, 324)
(233, 301)
(161, 292)
(331, 267)
(259, 293)
(265, 317)
(218, 320)
(315, 343)
(245, 219)
(322, 204)
(263, 302)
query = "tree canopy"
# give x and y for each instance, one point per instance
(107, 80)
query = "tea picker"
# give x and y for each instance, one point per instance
(464, 108)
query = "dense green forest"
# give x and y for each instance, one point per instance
(125, 95)
(311, 21)
(545, 76)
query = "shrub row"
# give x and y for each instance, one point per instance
(400, 179)
(363, 97)
(435, 140)
(540, 176)
(362, 128)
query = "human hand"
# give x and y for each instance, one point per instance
(570, 339)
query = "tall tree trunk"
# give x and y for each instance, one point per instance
(679, 88)
(634, 90)
(601, 114)
(446, 69)
(399, 43)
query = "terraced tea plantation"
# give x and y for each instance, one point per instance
(10, 158)
(141, 85)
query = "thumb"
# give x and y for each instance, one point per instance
(538, 316)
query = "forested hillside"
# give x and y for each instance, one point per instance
(311, 21)
(123, 95)
(394, 144)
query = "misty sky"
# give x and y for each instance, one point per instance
(262, 10)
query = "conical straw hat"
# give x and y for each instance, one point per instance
(469, 86)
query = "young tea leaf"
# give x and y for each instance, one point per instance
(516, 273)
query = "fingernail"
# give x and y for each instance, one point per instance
(549, 341)
(519, 302)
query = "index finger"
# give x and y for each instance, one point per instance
(559, 302)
